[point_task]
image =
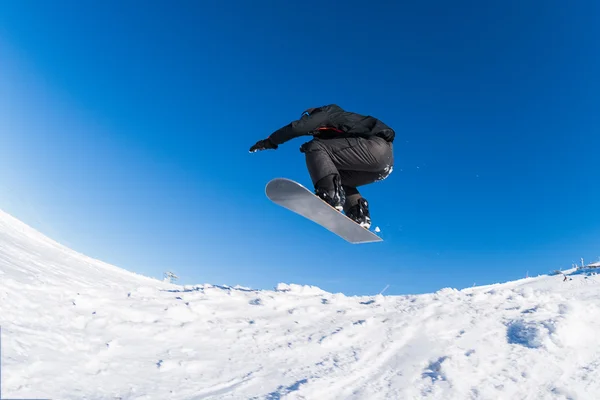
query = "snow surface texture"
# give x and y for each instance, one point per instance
(76, 328)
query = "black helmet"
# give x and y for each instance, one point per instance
(309, 111)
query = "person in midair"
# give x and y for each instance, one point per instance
(348, 150)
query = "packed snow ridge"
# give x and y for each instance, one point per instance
(77, 328)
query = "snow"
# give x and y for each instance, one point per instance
(594, 265)
(76, 328)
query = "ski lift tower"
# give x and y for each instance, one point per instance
(170, 277)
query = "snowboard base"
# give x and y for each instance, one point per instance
(298, 199)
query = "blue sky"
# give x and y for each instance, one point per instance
(125, 134)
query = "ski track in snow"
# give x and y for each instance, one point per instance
(77, 328)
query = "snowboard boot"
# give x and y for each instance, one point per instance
(329, 189)
(359, 213)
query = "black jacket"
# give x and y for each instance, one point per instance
(332, 121)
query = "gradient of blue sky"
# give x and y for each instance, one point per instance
(125, 130)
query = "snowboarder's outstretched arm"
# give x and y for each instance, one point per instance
(301, 127)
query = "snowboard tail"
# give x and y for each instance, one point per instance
(298, 199)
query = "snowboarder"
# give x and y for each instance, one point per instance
(348, 150)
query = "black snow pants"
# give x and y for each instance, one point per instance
(357, 161)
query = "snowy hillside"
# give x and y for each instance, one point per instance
(76, 328)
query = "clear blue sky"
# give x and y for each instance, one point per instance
(125, 132)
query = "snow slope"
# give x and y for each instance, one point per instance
(76, 328)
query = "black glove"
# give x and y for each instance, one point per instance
(263, 145)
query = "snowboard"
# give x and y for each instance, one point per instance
(298, 199)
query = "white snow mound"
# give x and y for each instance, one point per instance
(77, 328)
